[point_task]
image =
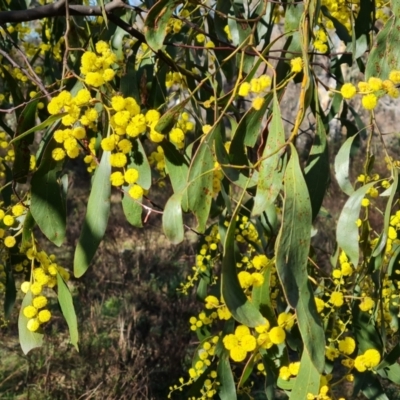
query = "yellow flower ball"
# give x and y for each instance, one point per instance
(238, 353)
(348, 91)
(296, 64)
(25, 286)
(347, 345)
(36, 288)
(18, 210)
(117, 179)
(136, 192)
(30, 311)
(9, 241)
(369, 101)
(320, 304)
(44, 316)
(337, 299)
(118, 160)
(277, 335)
(8, 220)
(244, 89)
(39, 302)
(58, 154)
(131, 176)
(33, 325)
(257, 103)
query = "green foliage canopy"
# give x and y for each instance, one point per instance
(189, 96)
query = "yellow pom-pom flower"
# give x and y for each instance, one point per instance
(296, 65)
(369, 101)
(39, 302)
(117, 178)
(30, 311)
(131, 176)
(9, 241)
(44, 316)
(348, 91)
(136, 192)
(33, 325)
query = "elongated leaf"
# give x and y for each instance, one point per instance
(347, 230)
(235, 175)
(133, 210)
(68, 310)
(240, 307)
(385, 54)
(226, 389)
(317, 169)
(168, 119)
(392, 190)
(39, 127)
(96, 219)
(292, 248)
(176, 166)
(28, 340)
(48, 207)
(342, 162)
(307, 380)
(172, 219)
(392, 373)
(11, 292)
(20, 168)
(157, 21)
(199, 193)
(293, 242)
(271, 168)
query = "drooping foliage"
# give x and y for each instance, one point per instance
(209, 101)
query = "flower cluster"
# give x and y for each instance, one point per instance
(255, 86)
(178, 132)
(372, 90)
(44, 274)
(96, 68)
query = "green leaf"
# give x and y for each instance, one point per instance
(29, 224)
(200, 189)
(234, 174)
(381, 245)
(96, 219)
(48, 207)
(28, 340)
(68, 310)
(292, 248)
(317, 169)
(369, 384)
(128, 84)
(10, 293)
(342, 161)
(226, 389)
(385, 54)
(20, 169)
(42, 125)
(167, 120)
(307, 380)
(138, 160)
(271, 168)
(293, 242)
(240, 307)
(346, 229)
(392, 373)
(155, 28)
(133, 210)
(172, 219)
(176, 166)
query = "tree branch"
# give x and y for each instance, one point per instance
(58, 10)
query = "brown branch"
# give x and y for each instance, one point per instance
(57, 10)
